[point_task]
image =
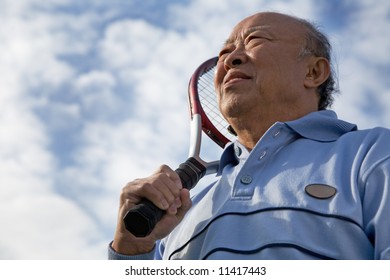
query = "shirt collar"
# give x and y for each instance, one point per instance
(322, 126)
(229, 155)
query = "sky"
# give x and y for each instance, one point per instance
(93, 95)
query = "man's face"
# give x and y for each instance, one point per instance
(259, 68)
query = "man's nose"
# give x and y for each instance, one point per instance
(235, 58)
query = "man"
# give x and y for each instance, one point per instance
(298, 184)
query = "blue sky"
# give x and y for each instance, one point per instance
(93, 95)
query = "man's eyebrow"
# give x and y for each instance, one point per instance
(228, 41)
(248, 31)
(256, 28)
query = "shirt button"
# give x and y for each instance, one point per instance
(277, 133)
(246, 180)
(263, 154)
(238, 151)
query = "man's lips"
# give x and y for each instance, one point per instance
(234, 77)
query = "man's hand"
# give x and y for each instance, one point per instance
(164, 189)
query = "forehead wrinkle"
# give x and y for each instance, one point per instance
(251, 29)
(245, 33)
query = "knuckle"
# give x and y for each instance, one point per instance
(163, 168)
(135, 188)
(176, 191)
(125, 192)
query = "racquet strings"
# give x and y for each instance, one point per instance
(209, 103)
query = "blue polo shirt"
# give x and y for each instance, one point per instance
(312, 188)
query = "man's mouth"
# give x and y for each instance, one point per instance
(235, 77)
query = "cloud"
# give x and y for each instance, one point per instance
(37, 221)
(39, 224)
(95, 93)
(362, 48)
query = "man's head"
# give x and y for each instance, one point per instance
(273, 67)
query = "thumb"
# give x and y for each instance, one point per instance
(186, 204)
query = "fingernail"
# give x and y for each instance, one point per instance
(165, 204)
(178, 203)
(172, 210)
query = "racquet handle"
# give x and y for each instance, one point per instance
(141, 219)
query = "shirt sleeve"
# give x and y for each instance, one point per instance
(376, 207)
(113, 255)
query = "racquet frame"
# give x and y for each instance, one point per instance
(141, 219)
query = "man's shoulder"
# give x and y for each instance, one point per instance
(371, 133)
(365, 140)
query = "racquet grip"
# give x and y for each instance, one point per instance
(190, 172)
(141, 219)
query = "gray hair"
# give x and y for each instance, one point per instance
(318, 44)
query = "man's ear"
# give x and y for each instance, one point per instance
(318, 71)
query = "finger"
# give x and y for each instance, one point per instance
(186, 204)
(170, 221)
(148, 188)
(172, 210)
(168, 183)
(160, 190)
(157, 191)
(172, 175)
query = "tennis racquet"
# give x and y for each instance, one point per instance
(206, 117)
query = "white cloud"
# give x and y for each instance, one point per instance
(362, 47)
(37, 222)
(42, 226)
(95, 93)
(213, 20)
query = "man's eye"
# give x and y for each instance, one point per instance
(255, 39)
(223, 54)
